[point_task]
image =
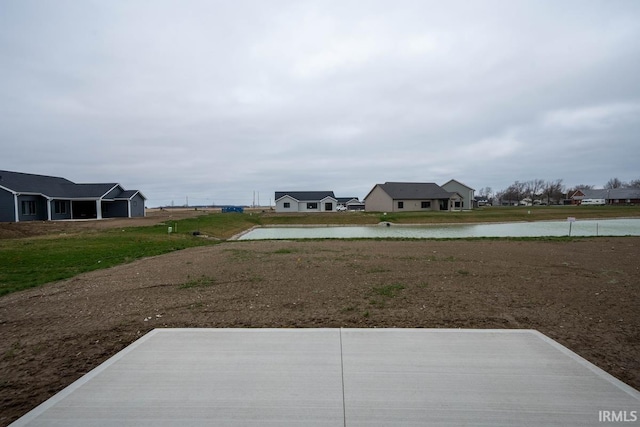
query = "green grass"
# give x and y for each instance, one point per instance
(506, 214)
(26, 263)
(217, 225)
(388, 291)
(30, 262)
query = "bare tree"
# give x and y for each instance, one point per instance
(635, 183)
(515, 192)
(533, 189)
(614, 183)
(485, 192)
(553, 190)
(583, 187)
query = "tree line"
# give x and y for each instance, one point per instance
(549, 192)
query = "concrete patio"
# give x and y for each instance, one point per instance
(341, 377)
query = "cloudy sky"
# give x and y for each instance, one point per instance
(216, 100)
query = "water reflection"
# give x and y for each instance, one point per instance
(609, 227)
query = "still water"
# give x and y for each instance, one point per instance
(608, 227)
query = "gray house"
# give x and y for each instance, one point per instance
(467, 193)
(29, 197)
(305, 201)
(410, 196)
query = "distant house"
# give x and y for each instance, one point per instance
(305, 201)
(29, 197)
(480, 201)
(350, 203)
(411, 196)
(613, 196)
(466, 192)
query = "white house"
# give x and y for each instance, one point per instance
(305, 201)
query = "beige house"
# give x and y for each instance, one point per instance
(410, 196)
(467, 193)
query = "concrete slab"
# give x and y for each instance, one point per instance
(341, 377)
(410, 377)
(196, 377)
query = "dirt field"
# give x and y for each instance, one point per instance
(584, 294)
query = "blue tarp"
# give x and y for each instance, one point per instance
(238, 209)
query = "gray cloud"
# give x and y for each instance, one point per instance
(215, 100)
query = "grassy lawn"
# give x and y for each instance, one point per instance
(30, 262)
(488, 214)
(26, 263)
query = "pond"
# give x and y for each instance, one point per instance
(601, 227)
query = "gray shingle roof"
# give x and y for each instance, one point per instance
(415, 190)
(53, 186)
(30, 183)
(85, 190)
(305, 196)
(346, 199)
(614, 193)
(126, 194)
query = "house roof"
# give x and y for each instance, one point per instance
(304, 196)
(609, 194)
(127, 194)
(346, 199)
(29, 183)
(53, 186)
(455, 180)
(414, 190)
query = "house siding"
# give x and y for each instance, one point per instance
(137, 206)
(293, 204)
(416, 205)
(41, 208)
(378, 201)
(7, 207)
(467, 193)
(301, 206)
(58, 216)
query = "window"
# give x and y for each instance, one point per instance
(287, 205)
(328, 206)
(457, 204)
(60, 207)
(400, 205)
(312, 206)
(28, 207)
(425, 205)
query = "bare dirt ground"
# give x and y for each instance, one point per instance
(582, 293)
(16, 230)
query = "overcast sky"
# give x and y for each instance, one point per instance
(213, 100)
